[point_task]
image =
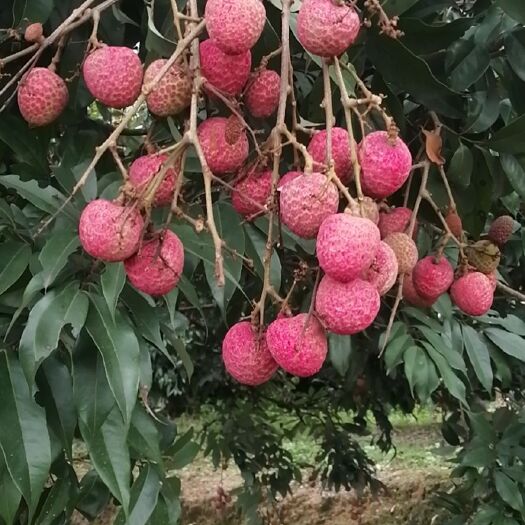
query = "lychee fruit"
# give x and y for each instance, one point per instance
(298, 344)
(235, 25)
(501, 229)
(472, 293)
(326, 28)
(484, 255)
(366, 208)
(287, 177)
(395, 220)
(156, 268)
(341, 152)
(250, 194)
(262, 95)
(223, 153)
(346, 246)
(246, 355)
(305, 202)
(113, 75)
(109, 231)
(405, 249)
(493, 278)
(346, 308)
(42, 96)
(34, 33)
(454, 223)
(386, 162)
(383, 271)
(227, 73)
(172, 94)
(432, 276)
(411, 295)
(142, 171)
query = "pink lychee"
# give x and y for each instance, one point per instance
(250, 194)
(493, 278)
(346, 245)
(411, 295)
(113, 75)
(382, 273)
(109, 231)
(326, 28)
(346, 308)
(472, 293)
(405, 249)
(501, 229)
(287, 177)
(395, 220)
(42, 96)
(432, 276)
(246, 355)
(34, 32)
(262, 95)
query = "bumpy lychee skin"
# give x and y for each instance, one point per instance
(327, 28)
(227, 73)
(493, 278)
(113, 75)
(346, 308)
(34, 32)
(346, 246)
(341, 152)
(306, 201)
(395, 220)
(246, 355)
(109, 231)
(410, 294)
(142, 171)
(235, 25)
(298, 344)
(405, 250)
(42, 96)
(501, 229)
(156, 268)
(221, 155)
(250, 194)
(484, 255)
(365, 208)
(455, 224)
(262, 95)
(287, 177)
(383, 271)
(472, 293)
(385, 164)
(432, 277)
(173, 92)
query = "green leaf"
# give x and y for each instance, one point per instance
(396, 348)
(466, 63)
(398, 7)
(55, 253)
(15, 258)
(454, 359)
(511, 323)
(255, 248)
(24, 438)
(9, 495)
(508, 491)
(479, 356)
(180, 348)
(515, 47)
(514, 8)
(509, 139)
(143, 436)
(515, 171)
(511, 344)
(183, 451)
(461, 165)
(93, 496)
(423, 317)
(340, 350)
(190, 293)
(59, 499)
(420, 372)
(113, 280)
(47, 199)
(168, 508)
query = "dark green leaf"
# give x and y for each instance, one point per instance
(514, 8)
(340, 350)
(113, 280)
(478, 354)
(466, 63)
(513, 168)
(180, 348)
(511, 344)
(461, 165)
(47, 199)
(143, 436)
(398, 7)
(508, 491)
(183, 451)
(15, 258)
(510, 138)
(9, 495)
(93, 496)
(515, 47)
(55, 253)
(420, 372)
(255, 247)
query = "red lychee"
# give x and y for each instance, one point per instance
(382, 273)
(34, 32)
(287, 177)
(411, 296)
(250, 194)
(472, 293)
(501, 229)
(432, 276)
(405, 249)
(455, 224)
(395, 220)
(262, 95)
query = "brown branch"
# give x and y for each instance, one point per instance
(510, 291)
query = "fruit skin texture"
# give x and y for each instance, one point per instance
(287, 177)
(172, 94)
(346, 246)
(246, 357)
(472, 293)
(235, 25)
(34, 32)
(109, 231)
(405, 250)
(501, 229)
(346, 308)
(156, 271)
(484, 255)
(42, 96)
(306, 201)
(454, 223)
(382, 273)
(325, 28)
(396, 220)
(432, 277)
(367, 209)
(385, 166)
(142, 171)
(227, 73)
(262, 95)
(222, 157)
(340, 152)
(256, 186)
(411, 295)
(298, 348)
(113, 75)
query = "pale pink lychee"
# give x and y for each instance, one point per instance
(109, 231)
(172, 94)
(113, 75)
(34, 32)
(235, 25)
(385, 164)
(298, 344)
(346, 308)
(395, 220)
(227, 73)
(346, 246)
(42, 96)
(306, 201)
(246, 355)
(341, 152)
(472, 293)
(262, 95)
(432, 276)
(326, 28)
(142, 171)
(221, 155)
(366, 208)
(405, 249)
(382, 273)
(411, 296)
(250, 194)
(287, 177)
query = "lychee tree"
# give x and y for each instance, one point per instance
(311, 209)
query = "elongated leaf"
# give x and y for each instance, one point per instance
(15, 258)
(113, 280)
(395, 350)
(514, 169)
(508, 491)
(420, 372)
(478, 354)
(461, 166)
(255, 247)
(340, 350)
(469, 62)
(93, 496)
(47, 199)
(180, 348)
(168, 508)
(143, 436)
(183, 451)
(454, 359)
(55, 254)
(514, 8)
(10, 496)
(511, 344)
(510, 138)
